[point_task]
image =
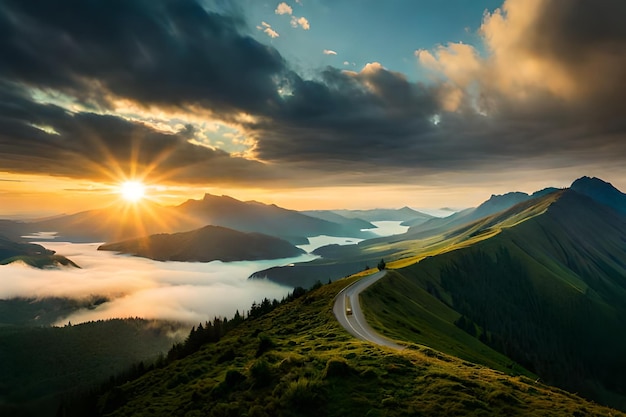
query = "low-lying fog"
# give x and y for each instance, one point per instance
(138, 287)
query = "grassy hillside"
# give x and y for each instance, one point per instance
(298, 361)
(426, 320)
(548, 291)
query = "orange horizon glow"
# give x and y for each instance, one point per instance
(29, 196)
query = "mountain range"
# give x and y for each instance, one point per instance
(493, 205)
(253, 216)
(121, 222)
(403, 214)
(338, 261)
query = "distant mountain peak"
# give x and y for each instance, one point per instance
(601, 191)
(591, 182)
(209, 196)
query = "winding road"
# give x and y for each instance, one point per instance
(355, 323)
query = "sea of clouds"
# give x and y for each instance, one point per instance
(137, 287)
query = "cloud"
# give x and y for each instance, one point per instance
(195, 56)
(349, 117)
(283, 8)
(300, 21)
(271, 33)
(137, 287)
(265, 27)
(545, 90)
(329, 52)
(105, 147)
(541, 57)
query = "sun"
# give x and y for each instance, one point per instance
(132, 191)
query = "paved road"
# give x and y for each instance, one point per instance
(355, 323)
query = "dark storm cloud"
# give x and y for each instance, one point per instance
(177, 54)
(589, 39)
(572, 29)
(168, 52)
(349, 117)
(46, 139)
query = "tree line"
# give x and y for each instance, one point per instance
(209, 332)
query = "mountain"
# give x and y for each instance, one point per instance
(495, 204)
(376, 215)
(272, 220)
(31, 254)
(546, 287)
(12, 230)
(115, 222)
(207, 244)
(602, 192)
(121, 222)
(9, 249)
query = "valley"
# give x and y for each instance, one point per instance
(516, 286)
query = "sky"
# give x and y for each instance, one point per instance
(307, 104)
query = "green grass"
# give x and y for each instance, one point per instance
(309, 365)
(423, 319)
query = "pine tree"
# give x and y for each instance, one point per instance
(382, 265)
